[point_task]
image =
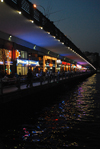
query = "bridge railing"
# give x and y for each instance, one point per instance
(19, 82)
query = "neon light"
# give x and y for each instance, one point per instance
(51, 65)
(78, 66)
(17, 54)
(64, 63)
(59, 61)
(1, 62)
(31, 62)
(8, 62)
(28, 62)
(9, 54)
(19, 61)
(68, 64)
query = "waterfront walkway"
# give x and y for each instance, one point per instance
(13, 88)
(20, 90)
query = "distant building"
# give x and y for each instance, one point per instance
(94, 58)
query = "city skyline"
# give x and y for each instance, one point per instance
(78, 20)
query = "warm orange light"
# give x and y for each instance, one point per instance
(9, 54)
(34, 6)
(51, 65)
(17, 54)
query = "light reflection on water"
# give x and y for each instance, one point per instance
(71, 122)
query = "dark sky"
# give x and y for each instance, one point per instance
(79, 20)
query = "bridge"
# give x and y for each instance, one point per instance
(22, 24)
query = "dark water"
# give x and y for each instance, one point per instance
(69, 118)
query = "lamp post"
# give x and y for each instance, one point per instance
(35, 6)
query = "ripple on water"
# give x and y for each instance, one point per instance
(73, 122)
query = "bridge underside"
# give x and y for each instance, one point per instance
(17, 25)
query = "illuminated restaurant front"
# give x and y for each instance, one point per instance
(5, 61)
(66, 66)
(24, 65)
(16, 61)
(51, 65)
(63, 66)
(57, 64)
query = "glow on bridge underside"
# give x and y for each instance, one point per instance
(26, 30)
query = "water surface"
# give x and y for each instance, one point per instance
(72, 121)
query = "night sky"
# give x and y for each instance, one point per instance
(79, 20)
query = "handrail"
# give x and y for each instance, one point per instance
(42, 80)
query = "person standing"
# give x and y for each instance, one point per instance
(29, 78)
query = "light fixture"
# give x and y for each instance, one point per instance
(34, 47)
(1, 0)
(32, 21)
(48, 52)
(48, 32)
(9, 38)
(68, 48)
(40, 27)
(19, 12)
(34, 5)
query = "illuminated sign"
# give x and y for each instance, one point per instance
(9, 54)
(20, 61)
(8, 62)
(58, 61)
(28, 62)
(1, 63)
(78, 66)
(64, 63)
(68, 64)
(31, 62)
(17, 54)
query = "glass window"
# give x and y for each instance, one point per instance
(23, 54)
(22, 70)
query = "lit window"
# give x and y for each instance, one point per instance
(23, 54)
